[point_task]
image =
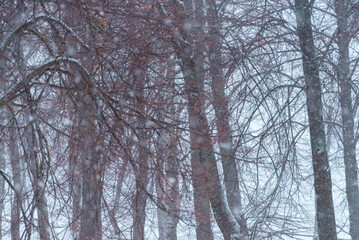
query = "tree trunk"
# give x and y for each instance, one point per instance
(121, 175)
(343, 72)
(322, 177)
(202, 149)
(172, 189)
(139, 205)
(139, 209)
(2, 184)
(15, 162)
(201, 200)
(91, 172)
(200, 139)
(38, 167)
(222, 115)
(38, 159)
(161, 215)
(75, 171)
(168, 163)
(38, 162)
(42, 212)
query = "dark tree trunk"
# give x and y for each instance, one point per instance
(15, 162)
(222, 115)
(172, 188)
(342, 8)
(2, 185)
(120, 177)
(91, 189)
(167, 188)
(139, 204)
(160, 193)
(200, 138)
(75, 170)
(169, 161)
(202, 149)
(322, 177)
(38, 171)
(201, 201)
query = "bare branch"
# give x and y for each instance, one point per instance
(31, 22)
(10, 94)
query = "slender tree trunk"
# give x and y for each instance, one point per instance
(172, 188)
(201, 201)
(42, 212)
(38, 172)
(201, 198)
(75, 171)
(38, 163)
(222, 115)
(139, 208)
(91, 172)
(15, 162)
(168, 164)
(161, 215)
(202, 149)
(351, 167)
(200, 138)
(161, 150)
(322, 177)
(2, 184)
(139, 205)
(120, 178)
(38, 167)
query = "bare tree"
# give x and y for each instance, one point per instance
(220, 105)
(343, 9)
(322, 177)
(200, 139)
(117, 108)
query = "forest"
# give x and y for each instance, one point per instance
(179, 119)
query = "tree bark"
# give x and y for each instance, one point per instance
(200, 138)
(161, 214)
(2, 185)
(172, 188)
(38, 170)
(75, 176)
(202, 205)
(322, 176)
(201, 198)
(202, 149)
(168, 162)
(222, 117)
(139, 204)
(120, 177)
(15, 162)
(342, 9)
(90, 218)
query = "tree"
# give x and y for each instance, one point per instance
(220, 105)
(201, 143)
(345, 27)
(322, 177)
(168, 119)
